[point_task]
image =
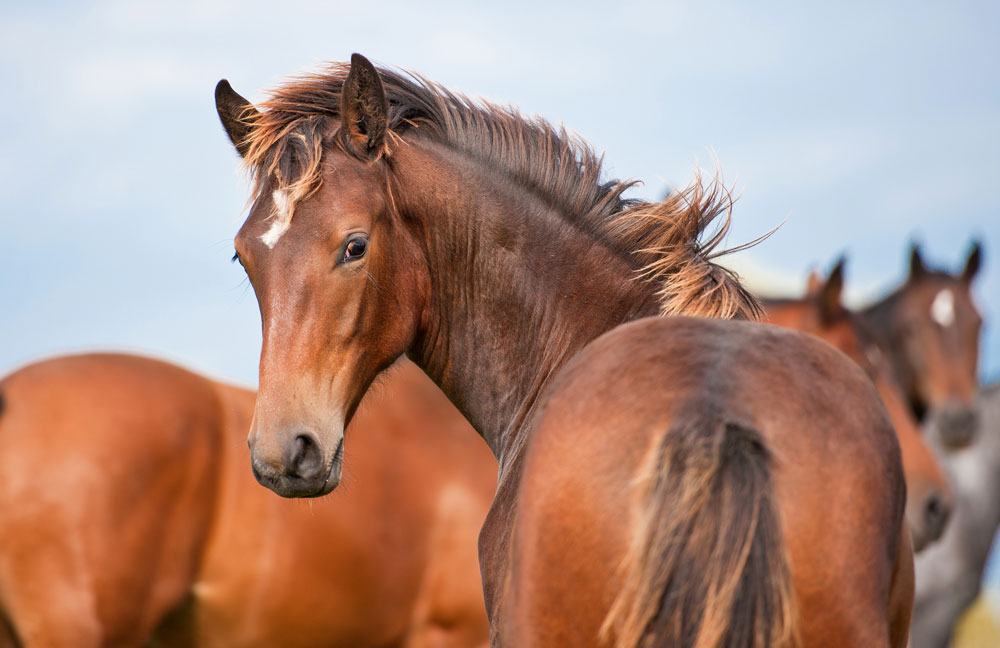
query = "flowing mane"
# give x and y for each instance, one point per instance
(661, 240)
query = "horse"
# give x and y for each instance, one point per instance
(821, 312)
(128, 517)
(669, 474)
(931, 327)
(949, 574)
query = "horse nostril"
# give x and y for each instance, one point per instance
(306, 460)
(936, 514)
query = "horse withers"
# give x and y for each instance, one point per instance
(821, 312)
(685, 481)
(931, 327)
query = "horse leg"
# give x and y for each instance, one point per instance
(178, 628)
(7, 638)
(901, 592)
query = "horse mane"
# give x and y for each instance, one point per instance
(661, 240)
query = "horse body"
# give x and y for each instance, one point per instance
(949, 574)
(484, 247)
(821, 313)
(148, 527)
(107, 496)
(762, 481)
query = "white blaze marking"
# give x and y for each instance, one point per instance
(282, 218)
(943, 308)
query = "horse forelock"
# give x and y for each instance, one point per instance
(661, 240)
(284, 154)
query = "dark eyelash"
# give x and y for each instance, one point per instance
(236, 257)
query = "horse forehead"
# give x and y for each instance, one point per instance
(281, 218)
(943, 307)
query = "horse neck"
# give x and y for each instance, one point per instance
(879, 317)
(515, 289)
(880, 314)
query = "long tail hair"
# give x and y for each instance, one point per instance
(707, 566)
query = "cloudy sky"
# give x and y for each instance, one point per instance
(864, 126)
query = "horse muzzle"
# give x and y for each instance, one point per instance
(956, 425)
(299, 469)
(927, 517)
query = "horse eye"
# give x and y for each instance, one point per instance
(355, 249)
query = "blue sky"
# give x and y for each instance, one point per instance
(864, 125)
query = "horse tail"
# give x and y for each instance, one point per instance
(707, 565)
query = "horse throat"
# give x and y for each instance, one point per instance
(516, 288)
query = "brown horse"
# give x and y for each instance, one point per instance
(126, 508)
(663, 480)
(931, 327)
(821, 312)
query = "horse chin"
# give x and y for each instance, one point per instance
(297, 486)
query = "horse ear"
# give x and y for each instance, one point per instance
(236, 114)
(917, 267)
(814, 284)
(830, 304)
(364, 110)
(973, 262)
